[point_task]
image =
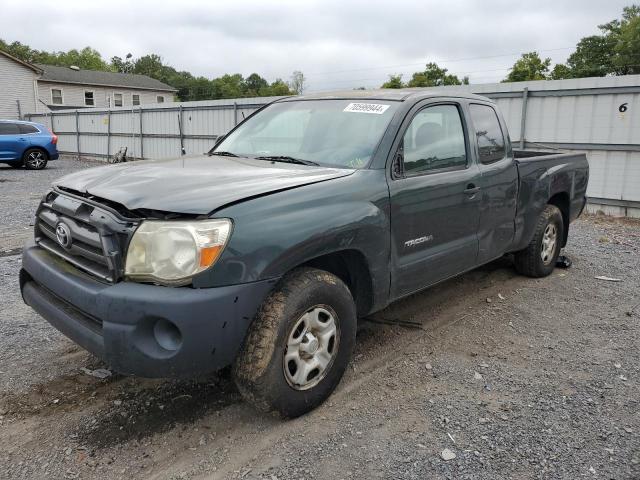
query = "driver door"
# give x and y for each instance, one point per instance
(435, 201)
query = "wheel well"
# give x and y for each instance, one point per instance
(46, 154)
(351, 267)
(561, 200)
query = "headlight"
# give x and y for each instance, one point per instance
(171, 252)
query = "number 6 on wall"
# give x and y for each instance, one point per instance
(623, 108)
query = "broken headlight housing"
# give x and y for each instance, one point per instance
(171, 252)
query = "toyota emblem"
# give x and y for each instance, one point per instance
(63, 235)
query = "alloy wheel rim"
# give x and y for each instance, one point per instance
(312, 345)
(549, 241)
(35, 159)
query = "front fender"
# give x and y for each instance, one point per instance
(275, 233)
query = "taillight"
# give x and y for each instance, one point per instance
(54, 137)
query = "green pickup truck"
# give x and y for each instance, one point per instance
(314, 211)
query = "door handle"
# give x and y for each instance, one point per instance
(22, 139)
(471, 189)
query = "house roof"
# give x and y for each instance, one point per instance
(23, 63)
(56, 74)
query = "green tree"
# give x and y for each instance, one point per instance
(395, 81)
(560, 72)
(616, 51)
(529, 67)
(255, 86)
(627, 47)
(122, 66)
(593, 57)
(150, 65)
(434, 76)
(279, 88)
(87, 59)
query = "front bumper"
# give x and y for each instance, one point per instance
(125, 323)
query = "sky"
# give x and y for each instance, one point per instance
(336, 44)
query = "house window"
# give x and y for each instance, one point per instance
(117, 99)
(135, 98)
(88, 98)
(56, 96)
(160, 99)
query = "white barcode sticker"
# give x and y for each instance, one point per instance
(366, 108)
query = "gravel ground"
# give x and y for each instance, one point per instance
(501, 377)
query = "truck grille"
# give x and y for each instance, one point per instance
(84, 234)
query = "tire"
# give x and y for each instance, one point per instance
(280, 344)
(539, 258)
(35, 159)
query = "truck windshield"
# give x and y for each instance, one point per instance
(334, 133)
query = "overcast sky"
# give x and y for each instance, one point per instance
(337, 44)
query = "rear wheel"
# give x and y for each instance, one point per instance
(35, 159)
(539, 258)
(299, 344)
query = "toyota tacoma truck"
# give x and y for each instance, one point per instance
(313, 212)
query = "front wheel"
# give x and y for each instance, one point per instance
(35, 159)
(299, 345)
(539, 258)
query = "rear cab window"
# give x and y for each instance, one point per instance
(489, 135)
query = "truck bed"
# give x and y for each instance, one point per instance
(542, 174)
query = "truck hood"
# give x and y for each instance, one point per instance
(193, 185)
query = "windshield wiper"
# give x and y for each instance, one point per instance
(286, 159)
(224, 154)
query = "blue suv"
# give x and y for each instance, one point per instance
(26, 144)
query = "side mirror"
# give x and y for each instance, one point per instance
(219, 139)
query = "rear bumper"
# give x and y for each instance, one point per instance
(53, 152)
(144, 330)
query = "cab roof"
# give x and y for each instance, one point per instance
(391, 94)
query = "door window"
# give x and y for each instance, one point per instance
(491, 145)
(9, 129)
(434, 140)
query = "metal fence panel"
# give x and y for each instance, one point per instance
(150, 131)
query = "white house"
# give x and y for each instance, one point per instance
(64, 87)
(27, 88)
(18, 86)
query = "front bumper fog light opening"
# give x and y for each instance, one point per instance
(167, 335)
